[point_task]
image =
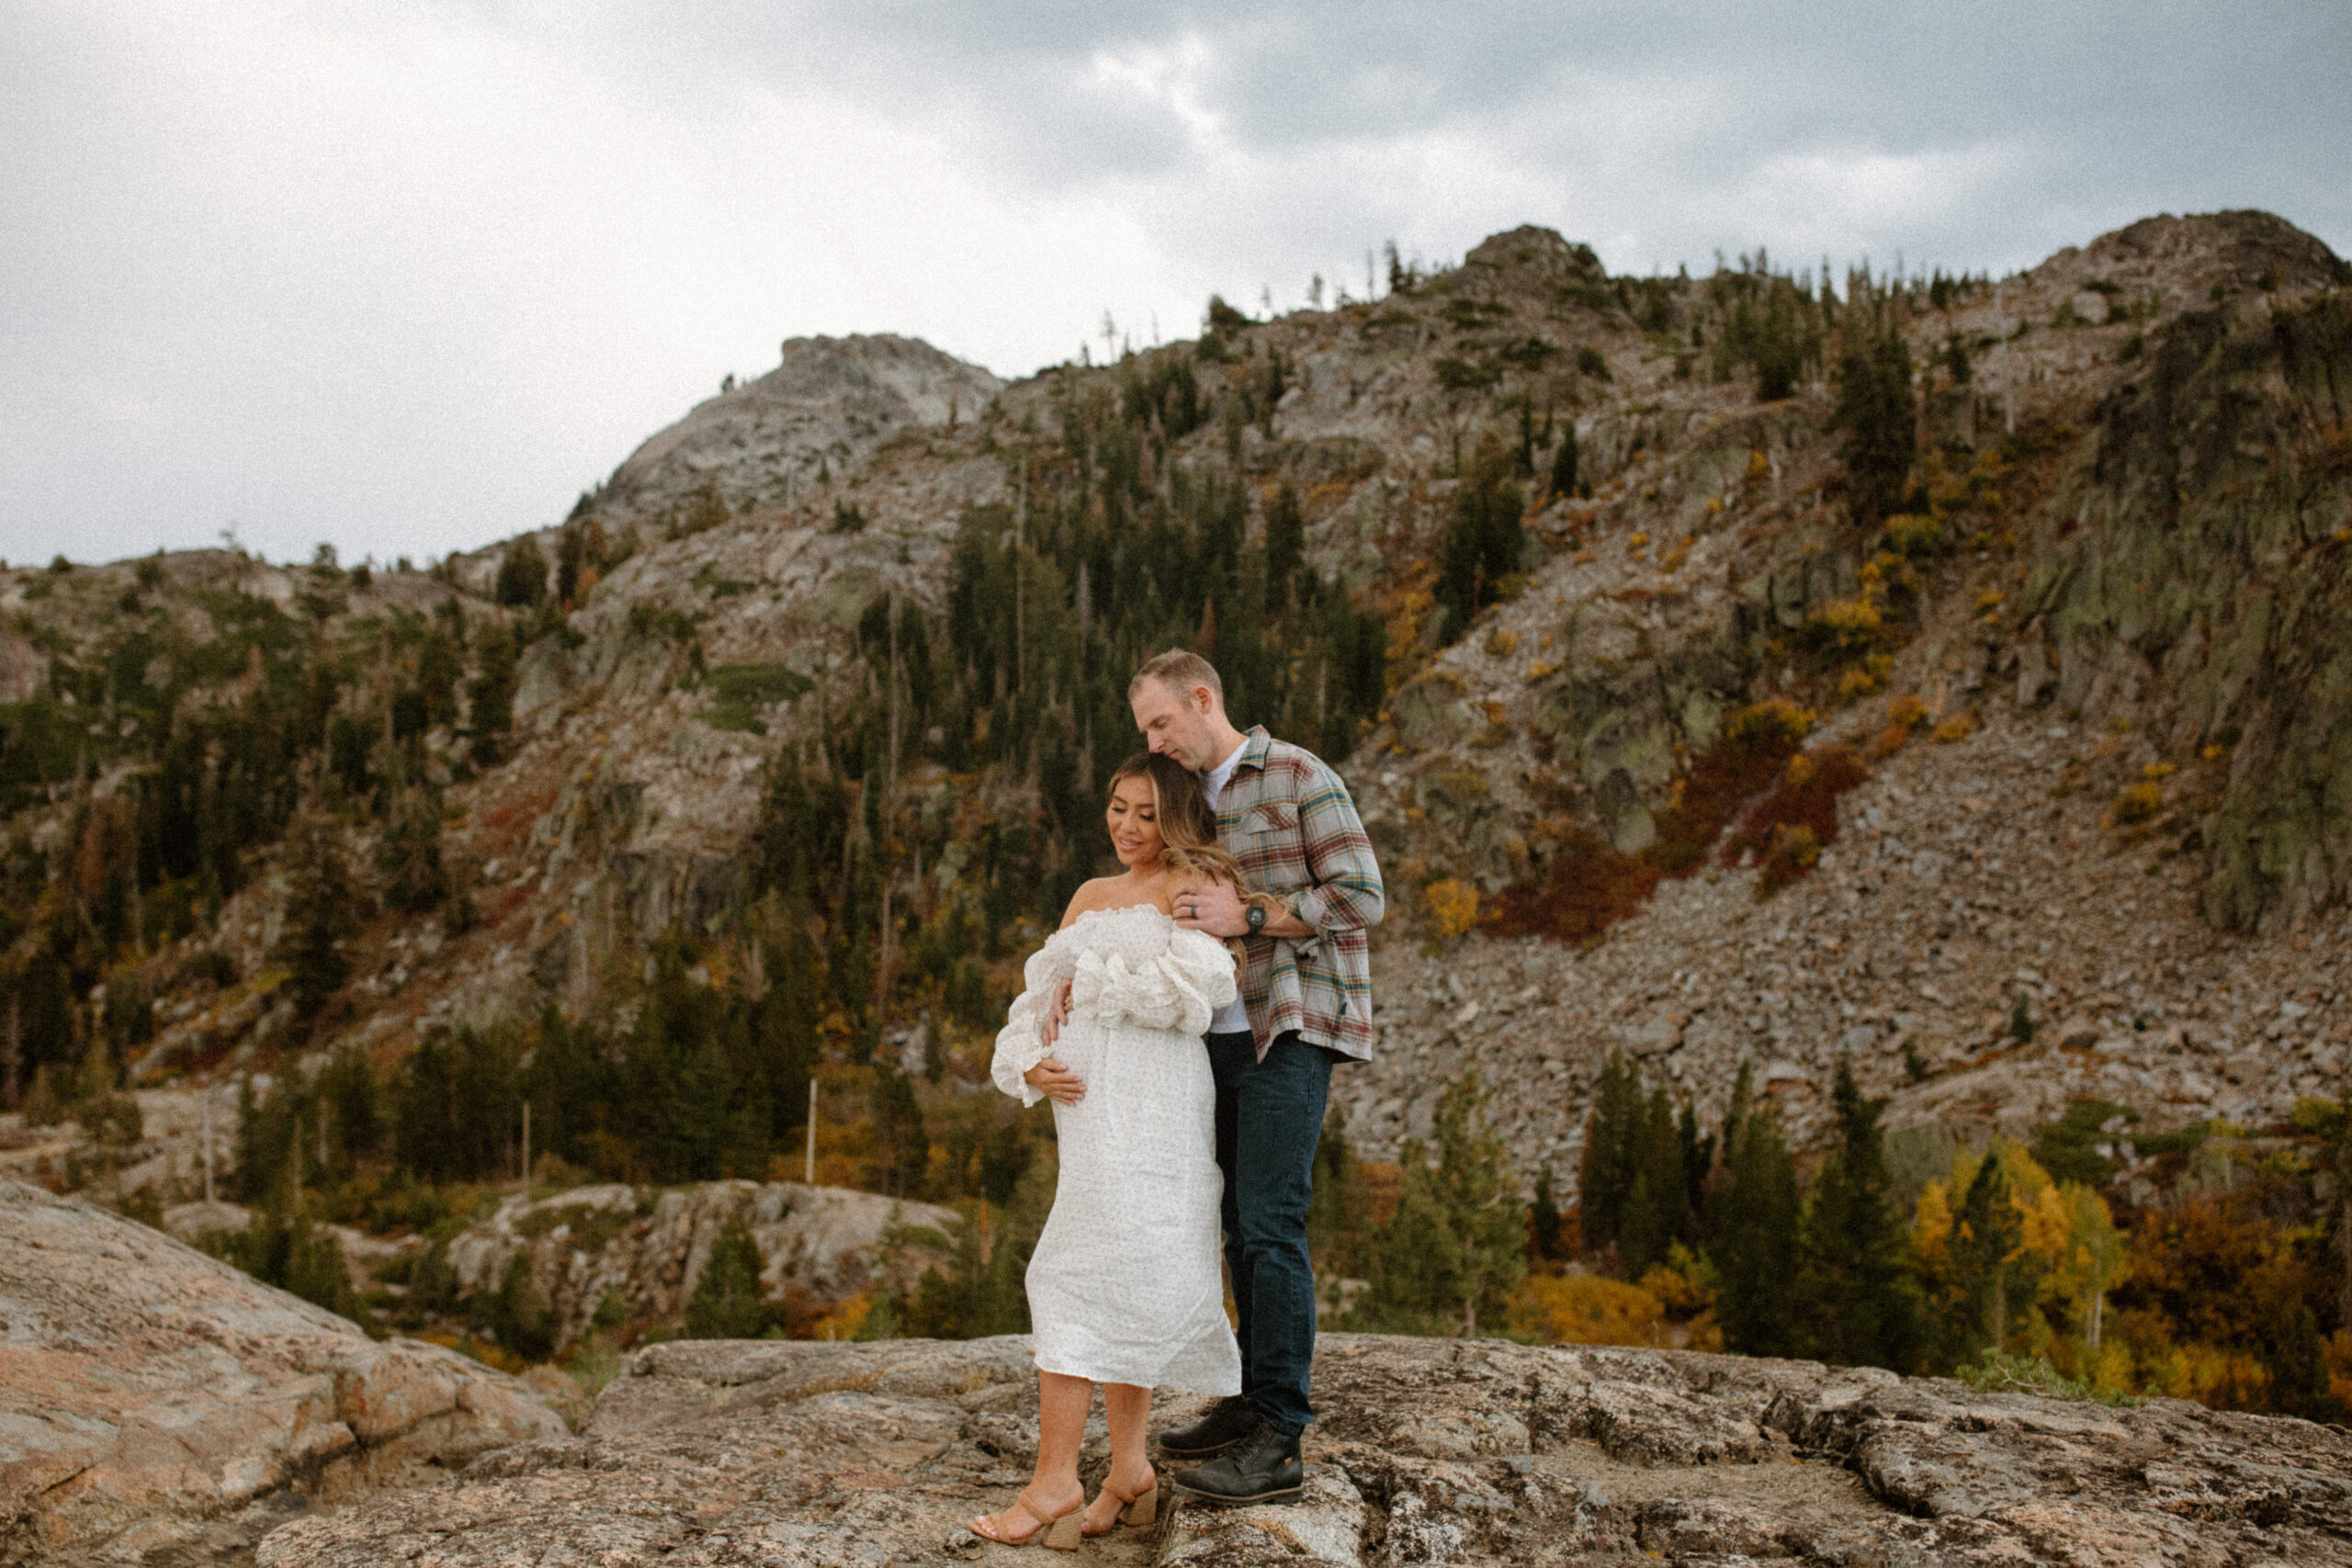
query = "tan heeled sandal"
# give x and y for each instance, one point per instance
(1143, 1508)
(1062, 1533)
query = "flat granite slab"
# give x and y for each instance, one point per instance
(1427, 1451)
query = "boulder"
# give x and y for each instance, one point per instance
(157, 1405)
(1427, 1451)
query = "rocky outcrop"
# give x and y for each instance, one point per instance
(825, 408)
(648, 1249)
(157, 1407)
(2196, 575)
(1428, 1451)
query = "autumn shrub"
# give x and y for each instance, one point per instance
(2136, 803)
(1846, 626)
(1789, 827)
(1795, 852)
(1756, 744)
(1907, 711)
(1959, 727)
(1586, 1309)
(1589, 886)
(1453, 906)
(1915, 535)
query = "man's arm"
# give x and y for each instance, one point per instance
(1345, 890)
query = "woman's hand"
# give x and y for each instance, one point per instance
(1056, 1082)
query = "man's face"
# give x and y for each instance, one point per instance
(1175, 723)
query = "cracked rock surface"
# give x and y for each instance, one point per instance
(1427, 1451)
(160, 1407)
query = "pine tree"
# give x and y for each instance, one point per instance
(1457, 1244)
(1285, 544)
(1986, 1237)
(519, 1313)
(489, 696)
(1336, 1212)
(522, 575)
(323, 906)
(1544, 1220)
(1564, 461)
(408, 854)
(902, 1146)
(1484, 542)
(1752, 1231)
(1859, 1303)
(727, 1302)
(2299, 1384)
(1659, 1206)
(1879, 414)
(1613, 1152)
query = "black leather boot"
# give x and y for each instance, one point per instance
(1264, 1467)
(1228, 1422)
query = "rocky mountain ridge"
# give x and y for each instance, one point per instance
(1695, 576)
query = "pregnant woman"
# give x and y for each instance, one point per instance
(1124, 1287)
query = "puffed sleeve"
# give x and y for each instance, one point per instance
(1179, 990)
(1019, 1045)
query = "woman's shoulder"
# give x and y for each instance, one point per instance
(1098, 892)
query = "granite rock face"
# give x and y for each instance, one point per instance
(826, 406)
(157, 1407)
(650, 1249)
(1428, 1451)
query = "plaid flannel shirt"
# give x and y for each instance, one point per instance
(1288, 818)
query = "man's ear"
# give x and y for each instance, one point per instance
(1203, 700)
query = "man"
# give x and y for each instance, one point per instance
(1305, 1002)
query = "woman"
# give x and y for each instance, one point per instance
(1124, 1287)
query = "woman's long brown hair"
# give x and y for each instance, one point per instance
(1187, 825)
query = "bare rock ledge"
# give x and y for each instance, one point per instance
(160, 1407)
(1428, 1451)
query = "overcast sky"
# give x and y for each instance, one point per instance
(407, 277)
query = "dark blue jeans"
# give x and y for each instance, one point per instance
(1269, 1119)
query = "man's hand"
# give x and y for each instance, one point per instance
(1049, 1028)
(1056, 1082)
(1211, 906)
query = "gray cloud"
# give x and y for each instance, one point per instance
(405, 275)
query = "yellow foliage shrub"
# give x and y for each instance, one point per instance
(844, 1322)
(1850, 624)
(2137, 804)
(1502, 643)
(1907, 710)
(1774, 721)
(1915, 534)
(1959, 727)
(1452, 905)
(1585, 1309)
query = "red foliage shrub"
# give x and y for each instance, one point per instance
(1789, 827)
(1589, 887)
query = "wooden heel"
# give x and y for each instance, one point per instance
(1144, 1509)
(1065, 1533)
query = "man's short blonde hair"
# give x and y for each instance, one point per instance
(1180, 669)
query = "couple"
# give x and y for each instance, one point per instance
(1233, 845)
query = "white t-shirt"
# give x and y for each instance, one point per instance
(1232, 1018)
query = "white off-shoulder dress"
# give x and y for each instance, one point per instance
(1125, 1285)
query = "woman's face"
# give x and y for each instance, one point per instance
(1134, 821)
